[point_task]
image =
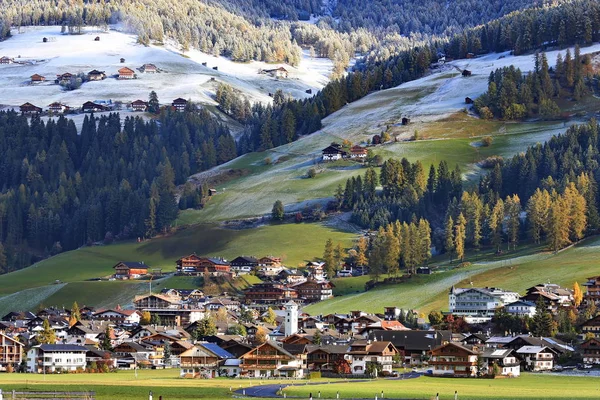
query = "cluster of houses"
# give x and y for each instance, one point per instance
(357, 344)
(336, 152)
(478, 305)
(279, 284)
(124, 73)
(351, 345)
(94, 75)
(178, 104)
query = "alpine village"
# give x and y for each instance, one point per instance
(316, 199)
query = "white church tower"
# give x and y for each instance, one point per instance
(290, 325)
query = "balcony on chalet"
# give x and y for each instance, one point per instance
(258, 366)
(266, 357)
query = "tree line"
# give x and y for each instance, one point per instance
(567, 23)
(548, 194)
(514, 95)
(429, 16)
(116, 179)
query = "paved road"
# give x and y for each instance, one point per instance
(270, 390)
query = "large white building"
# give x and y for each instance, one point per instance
(56, 357)
(481, 302)
(521, 308)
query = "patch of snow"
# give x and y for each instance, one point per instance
(183, 76)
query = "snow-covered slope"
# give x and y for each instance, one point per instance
(183, 76)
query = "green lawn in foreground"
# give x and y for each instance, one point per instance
(528, 386)
(123, 385)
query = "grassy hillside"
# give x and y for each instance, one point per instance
(295, 243)
(430, 292)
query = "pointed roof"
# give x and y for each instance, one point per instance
(291, 303)
(198, 351)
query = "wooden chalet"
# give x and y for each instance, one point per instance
(97, 39)
(149, 68)
(119, 316)
(405, 121)
(269, 293)
(269, 360)
(504, 359)
(29, 108)
(591, 326)
(179, 104)
(358, 152)
(333, 153)
(298, 338)
(203, 360)
(64, 79)
(139, 105)
(244, 261)
(592, 294)
(466, 73)
(413, 344)
(155, 301)
(195, 265)
(58, 108)
(126, 73)
(6, 60)
(276, 72)
(453, 359)
(96, 75)
(313, 290)
(269, 261)
(362, 352)
(11, 352)
(90, 106)
(590, 350)
(537, 358)
(316, 270)
(326, 357)
(198, 362)
(130, 270)
(38, 78)
(468, 100)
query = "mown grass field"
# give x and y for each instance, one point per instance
(528, 386)
(519, 271)
(123, 385)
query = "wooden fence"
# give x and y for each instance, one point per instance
(46, 395)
